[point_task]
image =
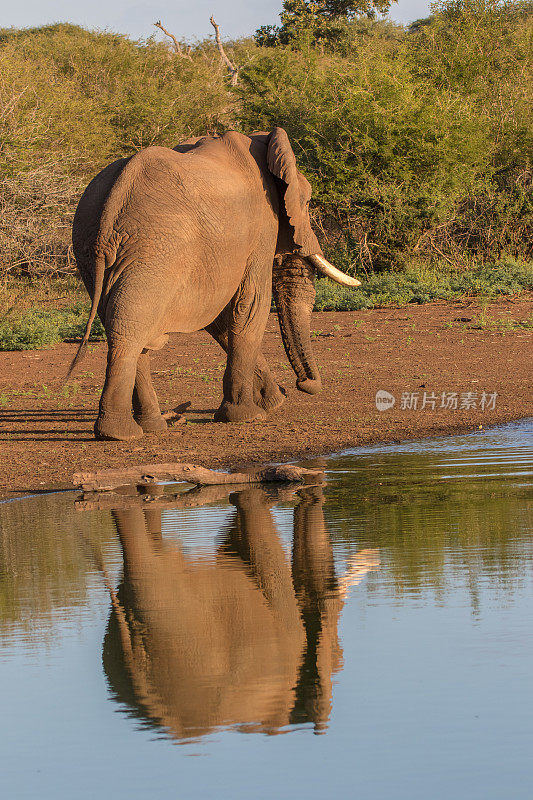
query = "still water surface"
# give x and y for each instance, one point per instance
(370, 638)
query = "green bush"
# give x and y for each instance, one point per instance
(32, 331)
(36, 330)
(73, 100)
(72, 322)
(386, 156)
(418, 143)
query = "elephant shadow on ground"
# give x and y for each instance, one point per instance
(246, 638)
(82, 415)
(66, 425)
(40, 424)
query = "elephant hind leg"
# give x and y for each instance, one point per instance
(115, 420)
(267, 394)
(146, 412)
(248, 313)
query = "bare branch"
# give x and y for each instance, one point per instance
(233, 70)
(177, 46)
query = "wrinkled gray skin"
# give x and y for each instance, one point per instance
(196, 238)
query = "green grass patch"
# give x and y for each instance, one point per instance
(422, 284)
(35, 329)
(484, 321)
(39, 329)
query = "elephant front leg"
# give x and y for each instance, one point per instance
(115, 420)
(146, 411)
(267, 394)
(238, 404)
(248, 316)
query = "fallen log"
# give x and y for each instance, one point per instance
(108, 479)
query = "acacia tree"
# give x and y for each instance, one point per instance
(316, 19)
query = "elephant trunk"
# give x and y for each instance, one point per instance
(294, 294)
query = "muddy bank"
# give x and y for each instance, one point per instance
(416, 354)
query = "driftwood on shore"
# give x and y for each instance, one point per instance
(108, 479)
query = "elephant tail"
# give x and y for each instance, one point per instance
(99, 272)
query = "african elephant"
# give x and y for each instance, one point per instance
(245, 638)
(196, 238)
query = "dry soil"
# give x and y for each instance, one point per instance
(418, 353)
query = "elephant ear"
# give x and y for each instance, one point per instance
(282, 163)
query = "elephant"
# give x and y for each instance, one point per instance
(244, 638)
(192, 238)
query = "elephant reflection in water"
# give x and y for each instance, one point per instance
(245, 639)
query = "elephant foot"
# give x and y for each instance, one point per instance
(153, 423)
(242, 412)
(116, 426)
(271, 400)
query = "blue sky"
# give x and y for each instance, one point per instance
(185, 19)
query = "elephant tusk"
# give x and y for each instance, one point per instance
(332, 272)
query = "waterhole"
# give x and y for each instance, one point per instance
(369, 637)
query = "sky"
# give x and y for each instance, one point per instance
(187, 19)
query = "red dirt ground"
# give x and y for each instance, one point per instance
(46, 432)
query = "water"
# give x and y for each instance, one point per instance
(370, 638)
